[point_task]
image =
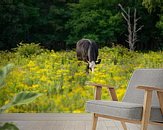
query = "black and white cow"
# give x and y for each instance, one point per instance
(87, 51)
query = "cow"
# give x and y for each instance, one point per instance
(87, 51)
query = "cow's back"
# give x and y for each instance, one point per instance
(93, 52)
(82, 47)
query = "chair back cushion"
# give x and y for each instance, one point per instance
(143, 77)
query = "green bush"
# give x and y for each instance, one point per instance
(26, 50)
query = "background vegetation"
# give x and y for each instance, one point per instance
(19, 99)
(61, 78)
(59, 24)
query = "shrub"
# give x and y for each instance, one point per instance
(26, 50)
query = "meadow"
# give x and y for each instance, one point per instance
(61, 78)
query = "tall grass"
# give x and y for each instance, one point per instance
(61, 78)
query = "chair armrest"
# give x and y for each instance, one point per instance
(97, 94)
(150, 88)
(98, 85)
(148, 91)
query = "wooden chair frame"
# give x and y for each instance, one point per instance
(146, 106)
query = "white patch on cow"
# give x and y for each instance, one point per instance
(87, 40)
(92, 65)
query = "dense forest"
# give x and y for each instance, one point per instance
(59, 24)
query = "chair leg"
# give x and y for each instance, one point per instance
(124, 125)
(144, 126)
(94, 123)
(146, 110)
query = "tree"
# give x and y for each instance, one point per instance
(151, 5)
(132, 28)
(32, 21)
(17, 19)
(155, 8)
(97, 20)
(57, 24)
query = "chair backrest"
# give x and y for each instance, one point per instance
(147, 77)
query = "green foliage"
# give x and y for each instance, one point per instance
(24, 97)
(38, 20)
(8, 126)
(27, 50)
(3, 73)
(19, 99)
(155, 9)
(59, 25)
(61, 77)
(17, 20)
(92, 20)
(160, 24)
(151, 5)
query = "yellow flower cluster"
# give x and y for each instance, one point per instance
(61, 78)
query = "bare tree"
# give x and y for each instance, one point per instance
(132, 28)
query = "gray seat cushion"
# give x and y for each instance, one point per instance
(125, 110)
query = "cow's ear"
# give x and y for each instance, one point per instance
(98, 62)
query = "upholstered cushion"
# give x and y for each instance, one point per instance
(125, 110)
(143, 77)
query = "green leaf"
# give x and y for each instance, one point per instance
(8, 126)
(3, 73)
(24, 98)
(4, 107)
(2, 83)
(5, 70)
(20, 99)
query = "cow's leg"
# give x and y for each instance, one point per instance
(80, 63)
(87, 69)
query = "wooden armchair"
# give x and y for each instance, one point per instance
(138, 107)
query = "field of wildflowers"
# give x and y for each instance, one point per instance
(61, 78)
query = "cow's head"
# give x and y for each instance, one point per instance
(92, 64)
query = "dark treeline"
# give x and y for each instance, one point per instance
(59, 24)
